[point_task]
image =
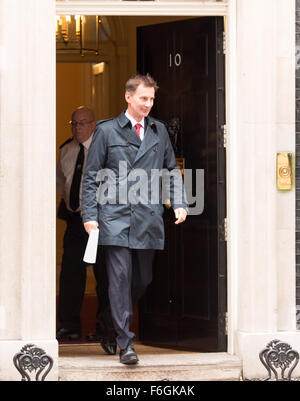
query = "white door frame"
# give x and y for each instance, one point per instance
(186, 8)
(194, 8)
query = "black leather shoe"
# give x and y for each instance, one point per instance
(66, 334)
(128, 355)
(109, 347)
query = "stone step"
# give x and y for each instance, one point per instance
(88, 362)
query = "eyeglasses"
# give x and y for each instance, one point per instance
(79, 123)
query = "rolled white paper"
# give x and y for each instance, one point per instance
(91, 247)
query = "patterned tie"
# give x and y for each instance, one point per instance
(75, 186)
(138, 129)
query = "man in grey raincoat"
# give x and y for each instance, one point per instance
(130, 156)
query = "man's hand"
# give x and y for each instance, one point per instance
(180, 215)
(90, 225)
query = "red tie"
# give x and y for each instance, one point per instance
(137, 128)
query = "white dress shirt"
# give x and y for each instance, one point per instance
(65, 168)
(134, 122)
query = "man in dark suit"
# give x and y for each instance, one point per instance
(71, 164)
(129, 211)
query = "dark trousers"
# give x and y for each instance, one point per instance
(129, 274)
(73, 280)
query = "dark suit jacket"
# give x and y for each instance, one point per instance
(128, 207)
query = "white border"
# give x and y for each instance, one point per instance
(188, 8)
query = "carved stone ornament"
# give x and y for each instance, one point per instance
(31, 358)
(279, 356)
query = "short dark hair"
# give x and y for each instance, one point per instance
(133, 82)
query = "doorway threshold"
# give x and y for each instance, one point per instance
(88, 362)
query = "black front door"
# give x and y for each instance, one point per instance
(185, 306)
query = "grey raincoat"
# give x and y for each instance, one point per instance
(128, 204)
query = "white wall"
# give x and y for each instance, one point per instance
(27, 181)
(265, 217)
